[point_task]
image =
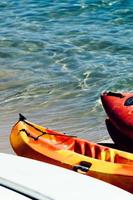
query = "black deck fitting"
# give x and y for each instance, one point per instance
(21, 117)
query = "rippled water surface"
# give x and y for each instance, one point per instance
(56, 57)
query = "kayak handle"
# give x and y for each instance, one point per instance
(83, 166)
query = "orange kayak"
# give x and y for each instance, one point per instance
(119, 108)
(40, 143)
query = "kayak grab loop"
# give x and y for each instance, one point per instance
(43, 133)
(29, 135)
(83, 166)
(129, 101)
(22, 118)
(115, 94)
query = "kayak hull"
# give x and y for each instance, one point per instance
(121, 141)
(73, 153)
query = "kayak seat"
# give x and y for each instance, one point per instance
(91, 150)
(121, 159)
(98, 152)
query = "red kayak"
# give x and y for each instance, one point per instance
(119, 108)
(120, 140)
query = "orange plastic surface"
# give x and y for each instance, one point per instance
(36, 142)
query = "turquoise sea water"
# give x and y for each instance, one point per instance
(56, 57)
